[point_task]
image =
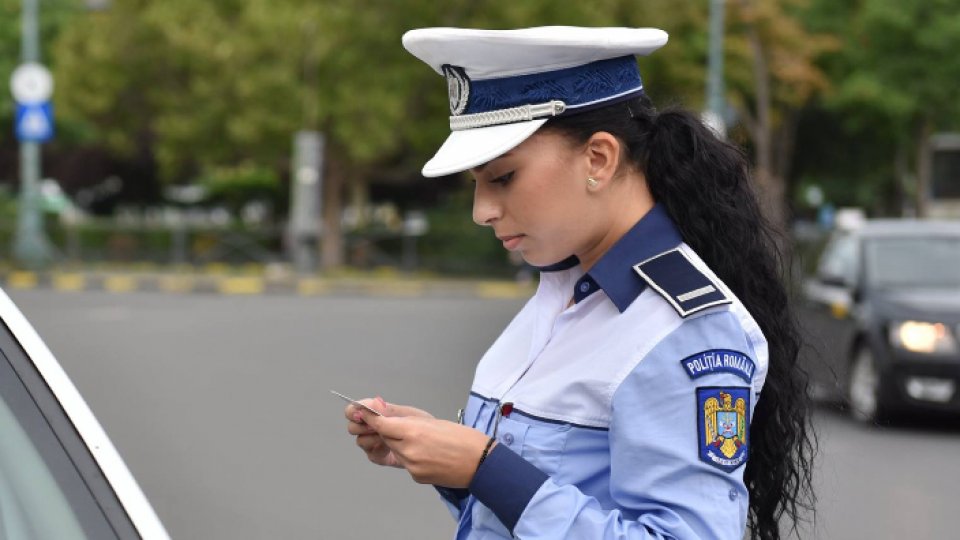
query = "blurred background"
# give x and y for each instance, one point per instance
(268, 151)
(175, 125)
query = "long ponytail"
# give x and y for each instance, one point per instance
(704, 184)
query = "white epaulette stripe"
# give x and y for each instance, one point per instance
(675, 298)
(696, 293)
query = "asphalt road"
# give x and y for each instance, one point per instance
(220, 406)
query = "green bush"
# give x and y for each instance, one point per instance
(237, 185)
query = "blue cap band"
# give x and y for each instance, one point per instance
(580, 86)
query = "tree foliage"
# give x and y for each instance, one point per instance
(773, 74)
(894, 80)
(194, 87)
(224, 81)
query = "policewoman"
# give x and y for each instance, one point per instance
(649, 387)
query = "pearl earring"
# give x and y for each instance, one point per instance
(592, 182)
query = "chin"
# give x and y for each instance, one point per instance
(541, 260)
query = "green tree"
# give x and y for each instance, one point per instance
(773, 75)
(897, 76)
(223, 83)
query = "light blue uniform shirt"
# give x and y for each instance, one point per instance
(628, 411)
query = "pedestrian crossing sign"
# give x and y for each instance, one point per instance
(34, 122)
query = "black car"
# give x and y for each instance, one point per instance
(882, 317)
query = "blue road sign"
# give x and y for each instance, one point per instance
(34, 122)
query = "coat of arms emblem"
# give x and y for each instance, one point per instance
(723, 421)
(458, 86)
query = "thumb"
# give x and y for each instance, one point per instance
(377, 404)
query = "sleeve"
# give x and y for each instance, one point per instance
(664, 479)
(454, 499)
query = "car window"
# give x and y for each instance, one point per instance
(914, 262)
(50, 486)
(839, 260)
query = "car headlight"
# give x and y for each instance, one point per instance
(923, 337)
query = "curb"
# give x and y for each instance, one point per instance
(251, 285)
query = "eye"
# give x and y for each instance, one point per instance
(502, 180)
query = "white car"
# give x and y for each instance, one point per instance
(60, 476)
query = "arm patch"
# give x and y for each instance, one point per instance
(683, 285)
(723, 420)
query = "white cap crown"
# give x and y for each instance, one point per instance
(505, 84)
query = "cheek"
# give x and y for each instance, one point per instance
(546, 208)
(556, 222)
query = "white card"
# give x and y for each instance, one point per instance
(355, 402)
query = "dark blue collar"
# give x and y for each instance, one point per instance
(652, 235)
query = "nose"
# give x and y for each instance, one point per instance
(486, 209)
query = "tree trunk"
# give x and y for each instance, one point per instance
(902, 172)
(360, 205)
(924, 167)
(331, 235)
(785, 143)
(772, 189)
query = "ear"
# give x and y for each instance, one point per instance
(603, 153)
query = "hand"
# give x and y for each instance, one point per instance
(433, 451)
(368, 439)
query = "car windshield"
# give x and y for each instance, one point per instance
(914, 262)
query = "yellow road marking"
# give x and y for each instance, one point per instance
(495, 289)
(395, 288)
(119, 284)
(69, 282)
(312, 286)
(252, 269)
(241, 285)
(216, 268)
(22, 280)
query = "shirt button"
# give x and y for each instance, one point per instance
(507, 439)
(584, 287)
(733, 495)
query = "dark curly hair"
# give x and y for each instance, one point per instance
(704, 184)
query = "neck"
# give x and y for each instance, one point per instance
(628, 200)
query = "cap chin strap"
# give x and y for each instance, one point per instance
(512, 115)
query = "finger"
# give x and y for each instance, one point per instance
(352, 410)
(370, 443)
(352, 413)
(404, 410)
(355, 428)
(377, 404)
(389, 427)
(377, 451)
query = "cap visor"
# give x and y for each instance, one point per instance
(471, 147)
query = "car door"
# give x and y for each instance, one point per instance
(827, 315)
(60, 476)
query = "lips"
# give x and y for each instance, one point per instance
(511, 241)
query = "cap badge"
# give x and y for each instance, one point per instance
(458, 85)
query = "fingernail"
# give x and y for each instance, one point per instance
(382, 402)
(358, 417)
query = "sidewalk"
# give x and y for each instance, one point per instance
(254, 280)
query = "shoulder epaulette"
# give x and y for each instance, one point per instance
(680, 282)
